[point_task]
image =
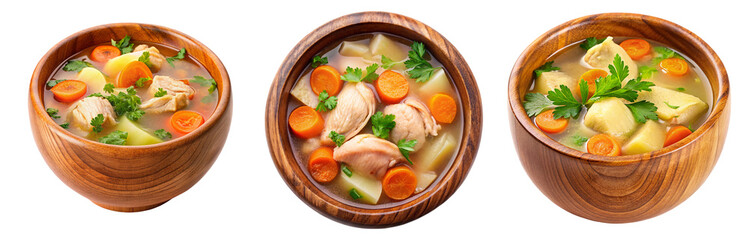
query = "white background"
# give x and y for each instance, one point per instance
(243, 196)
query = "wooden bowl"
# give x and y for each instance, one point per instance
(626, 188)
(276, 125)
(129, 178)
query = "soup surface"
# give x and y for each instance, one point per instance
(641, 96)
(372, 124)
(116, 94)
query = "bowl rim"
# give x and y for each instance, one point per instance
(218, 112)
(520, 115)
(447, 183)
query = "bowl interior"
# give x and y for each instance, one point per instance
(615, 24)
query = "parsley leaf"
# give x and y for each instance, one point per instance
(591, 42)
(65, 125)
(96, 122)
(162, 134)
(547, 67)
(207, 99)
(680, 89)
(619, 69)
(126, 103)
(179, 56)
(53, 83)
(318, 61)
(387, 63)
(96, 95)
(568, 106)
(115, 138)
(690, 127)
(381, 124)
(109, 88)
(671, 106)
(579, 140)
(646, 72)
(420, 69)
(610, 86)
(76, 65)
(346, 170)
(205, 82)
(643, 110)
(358, 75)
(52, 112)
(326, 102)
(146, 58)
(536, 103)
(664, 53)
(160, 93)
(406, 147)
(141, 81)
(123, 44)
(336, 138)
(638, 85)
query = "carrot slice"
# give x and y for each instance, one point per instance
(674, 66)
(69, 90)
(590, 77)
(636, 48)
(132, 72)
(322, 166)
(305, 122)
(186, 121)
(399, 183)
(547, 123)
(675, 134)
(326, 78)
(392, 87)
(603, 144)
(104, 52)
(443, 108)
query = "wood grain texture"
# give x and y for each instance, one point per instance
(129, 178)
(277, 127)
(627, 188)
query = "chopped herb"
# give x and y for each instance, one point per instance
(671, 106)
(420, 69)
(591, 42)
(354, 194)
(146, 58)
(52, 112)
(680, 89)
(207, 99)
(52, 83)
(205, 83)
(326, 102)
(162, 134)
(318, 61)
(126, 103)
(65, 125)
(76, 65)
(643, 110)
(579, 140)
(546, 67)
(345, 170)
(160, 93)
(406, 147)
(663, 53)
(96, 122)
(567, 105)
(141, 81)
(690, 127)
(646, 72)
(109, 88)
(336, 138)
(96, 95)
(536, 103)
(115, 138)
(610, 86)
(358, 75)
(381, 124)
(179, 56)
(123, 44)
(387, 63)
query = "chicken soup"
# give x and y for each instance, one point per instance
(618, 96)
(375, 119)
(130, 93)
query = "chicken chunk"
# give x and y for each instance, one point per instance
(166, 103)
(412, 121)
(356, 104)
(170, 85)
(369, 155)
(602, 55)
(157, 59)
(81, 113)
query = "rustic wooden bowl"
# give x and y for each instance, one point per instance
(276, 125)
(129, 178)
(626, 188)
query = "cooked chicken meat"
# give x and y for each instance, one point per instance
(602, 55)
(170, 85)
(368, 154)
(84, 110)
(156, 58)
(413, 121)
(356, 104)
(177, 95)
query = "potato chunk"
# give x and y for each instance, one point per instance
(424, 180)
(370, 189)
(93, 78)
(552, 80)
(610, 116)
(685, 107)
(436, 152)
(354, 49)
(649, 137)
(135, 134)
(303, 92)
(382, 45)
(439, 82)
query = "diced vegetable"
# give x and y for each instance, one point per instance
(322, 166)
(115, 65)
(305, 122)
(370, 189)
(424, 180)
(186, 121)
(603, 144)
(383, 45)
(432, 156)
(399, 183)
(443, 108)
(439, 82)
(135, 134)
(303, 92)
(610, 116)
(547, 123)
(354, 49)
(392, 87)
(689, 107)
(325, 78)
(104, 52)
(69, 90)
(93, 78)
(675, 134)
(131, 73)
(649, 137)
(590, 77)
(636, 48)
(674, 66)
(552, 80)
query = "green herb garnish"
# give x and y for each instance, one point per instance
(387, 63)
(326, 102)
(96, 122)
(579, 140)
(358, 75)
(76, 65)
(381, 124)
(179, 56)
(160, 93)
(52, 83)
(646, 72)
(536, 103)
(146, 58)
(52, 112)
(108, 88)
(123, 44)
(546, 67)
(420, 69)
(336, 138)
(210, 83)
(406, 147)
(643, 110)
(141, 81)
(162, 134)
(65, 125)
(591, 42)
(318, 61)
(671, 106)
(345, 170)
(126, 103)
(354, 194)
(115, 138)
(680, 89)
(664, 53)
